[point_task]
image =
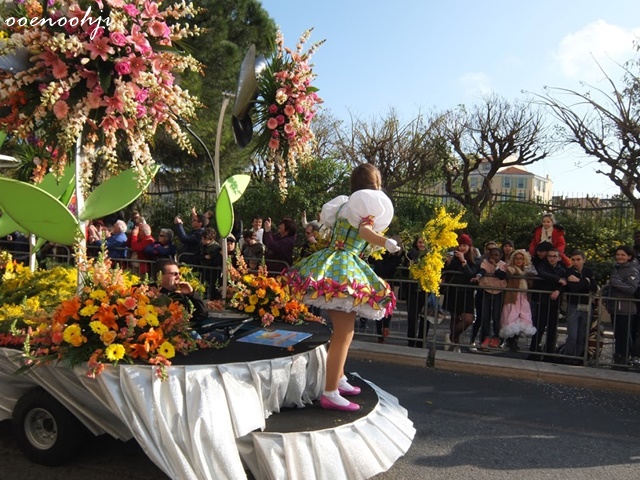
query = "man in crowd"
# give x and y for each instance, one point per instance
(178, 290)
(546, 306)
(191, 242)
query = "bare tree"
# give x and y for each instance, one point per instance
(405, 153)
(607, 128)
(494, 131)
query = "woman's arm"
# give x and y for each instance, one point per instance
(367, 233)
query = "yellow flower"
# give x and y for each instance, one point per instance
(440, 235)
(167, 350)
(97, 327)
(70, 332)
(151, 319)
(115, 352)
(253, 299)
(89, 310)
(275, 312)
(250, 308)
(261, 292)
(98, 295)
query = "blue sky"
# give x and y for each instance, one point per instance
(420, 55)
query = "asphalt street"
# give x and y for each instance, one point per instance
(468, 426)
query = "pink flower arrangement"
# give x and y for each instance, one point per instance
(286, 106)
(100, 70)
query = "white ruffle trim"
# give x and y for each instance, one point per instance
(345, 305)
(358, 450)
(517, 328)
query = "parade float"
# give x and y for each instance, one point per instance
(83, 80)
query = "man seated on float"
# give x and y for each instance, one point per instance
(178, 290)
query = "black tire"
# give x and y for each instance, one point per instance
(46, 431)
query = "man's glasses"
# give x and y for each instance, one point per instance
(553, 256)
(173, 274)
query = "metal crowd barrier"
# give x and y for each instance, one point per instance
(611, 338)
(420, 320)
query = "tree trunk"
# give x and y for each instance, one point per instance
(636, 209)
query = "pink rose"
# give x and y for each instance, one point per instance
(272, 123)
(118, 39)
(131, 10)
(280, 119)
(273, 108)
(123, 67)
(141, 111)
(288, 128)
(142, 95)
(289, 110)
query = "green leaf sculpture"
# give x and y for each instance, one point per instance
(224, 213)
(236, 185)
(38, 212)
(114, 194)
(8, 226)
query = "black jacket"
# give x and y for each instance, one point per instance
(192, 303)
(587, 284)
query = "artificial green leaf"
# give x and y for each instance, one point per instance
(58, 186)
(38, 212)
(3, 135)
(236, 185)
(224, 213)
(114, 194)
(8, 226)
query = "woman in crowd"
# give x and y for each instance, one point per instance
(279, 245)
(507, 247)
(623, 285)
(550, 232)
(458, 294)
(417, 328)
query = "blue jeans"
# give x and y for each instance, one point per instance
(576, 331)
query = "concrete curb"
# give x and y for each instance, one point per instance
(479, 364)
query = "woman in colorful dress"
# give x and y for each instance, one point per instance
(337, 279)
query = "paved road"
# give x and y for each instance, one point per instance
(468, 426)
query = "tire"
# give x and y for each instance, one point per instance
(46, 431)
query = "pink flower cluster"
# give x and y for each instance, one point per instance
(288, 104)
(104, 70)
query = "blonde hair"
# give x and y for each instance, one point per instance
(524, 253)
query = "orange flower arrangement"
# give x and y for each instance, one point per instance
(265, 297)
(110, 322)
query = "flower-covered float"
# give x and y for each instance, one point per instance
(96, 76)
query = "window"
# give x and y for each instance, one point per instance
(521, 182)
(473, 183)
(506, 182)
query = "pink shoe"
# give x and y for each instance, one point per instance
(327, 404)
(349, 393)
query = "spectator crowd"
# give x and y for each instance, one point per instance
(505, 297)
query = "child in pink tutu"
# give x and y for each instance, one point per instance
(516, 312)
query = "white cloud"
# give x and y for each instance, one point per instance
(577, 53)
(475, 84)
